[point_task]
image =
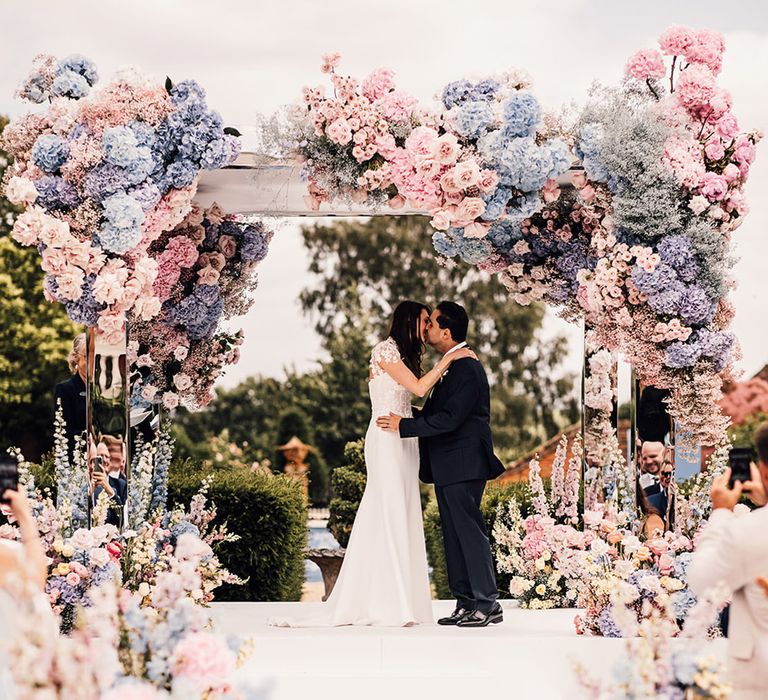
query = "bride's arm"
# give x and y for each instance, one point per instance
(400, 372)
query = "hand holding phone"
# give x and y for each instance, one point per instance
(9, 477)
(739, 460)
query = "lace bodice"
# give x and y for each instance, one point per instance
(386, 394)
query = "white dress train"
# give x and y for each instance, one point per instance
(384, 579)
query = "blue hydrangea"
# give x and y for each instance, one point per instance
(187, 90)
(49, 152)
(561, 157)
(473, 118)
(661, 278)
(521, 114)
(54, 193)
(456, 92)
(184, 527)
(525, 205)
(70, 84)
(86, 309)
(444, 244)
(118, 240)
(81, 66)
(123, 211)
(682, 602)
(253, 246)
(216, 155)
(682, 354)
(475, 250)
(120, 144)
(485, 89)
(34, 89)
(182, 173)
(147, 194)
(668, 300)
(606, 623)
(105, 180)
(694, 307)
(496, 204)
(144, 133)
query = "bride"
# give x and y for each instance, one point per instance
(384, 579)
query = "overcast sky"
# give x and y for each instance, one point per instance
(253, 56)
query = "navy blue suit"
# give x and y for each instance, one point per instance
(456, 455)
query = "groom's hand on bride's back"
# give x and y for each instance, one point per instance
(390, 423)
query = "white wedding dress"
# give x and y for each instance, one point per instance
(384, 580)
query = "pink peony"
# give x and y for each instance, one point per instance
(714, 149)
(26, 228)
(695, 87)
(466, 174)
(713, 186)
(339, 132)
(70, 284)
(745, 151)
(203, 658)
(731, 173)
(420, 143)
(54, 261)
(109, 284)
(385, 144)
(645, 64)
(112, 324)
(476, 230)
(54, 232)
(378, 84)
(727, 126)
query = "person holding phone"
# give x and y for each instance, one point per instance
(734, 550)
(107, 465)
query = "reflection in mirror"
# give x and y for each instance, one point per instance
(654, 452)
(599, 417)
(108, 453)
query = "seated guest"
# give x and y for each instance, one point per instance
(734, 550)
(651, 459)
(652, 520)
(107, 475)
(71, 393)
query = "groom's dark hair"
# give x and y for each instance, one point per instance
(454, 318)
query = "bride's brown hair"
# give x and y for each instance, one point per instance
(404, 330)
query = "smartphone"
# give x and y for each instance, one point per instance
(98, 464)
(739, 460)
(9, 477)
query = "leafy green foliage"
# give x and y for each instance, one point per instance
(348, 484)
(269, 513)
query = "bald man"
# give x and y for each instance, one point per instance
(651, 459)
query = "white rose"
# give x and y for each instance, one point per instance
(144, 589)
(82, 539)
(99, 556)
(21, 191)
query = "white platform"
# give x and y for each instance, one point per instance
(529, 655)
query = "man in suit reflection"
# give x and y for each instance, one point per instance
(107, 467)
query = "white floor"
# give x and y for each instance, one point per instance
(530, 655)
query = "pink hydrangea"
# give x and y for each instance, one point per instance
(706, 48)
(713, 186)
(397, 106)
(683, 157)
(676, 40)
(204, 659)
(695, 87)
(378, 84)
(645, 64)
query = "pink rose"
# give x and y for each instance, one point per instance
(170, 400)
(714, 149)
(745, 151)
(112, 324)
(73, 579)
(339, 132)
(441, 220)
(466, 174)
(713, 186)
(181, 352)
(449, 184)
(488, 181)
(330, 61)
(666, 563)
(54, 232)
(645, 64)
(54, 261)
(699, 203)
(446, 149)
(26, 228)
(397, 202)
(738, 202)
(469, 209)
(207, 275)
(70, 284)
(476, 230)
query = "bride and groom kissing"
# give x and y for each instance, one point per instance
(384, 579)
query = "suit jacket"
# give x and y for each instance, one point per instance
(72, 395)
(734, 549)
(454, 429)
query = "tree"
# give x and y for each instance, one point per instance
(295, 422)
(372, 265)
(348, 483)
(35, 339)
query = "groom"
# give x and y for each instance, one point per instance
(456, 449)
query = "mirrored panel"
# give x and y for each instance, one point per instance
(108, 439)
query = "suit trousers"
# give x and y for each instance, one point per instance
(471, 574)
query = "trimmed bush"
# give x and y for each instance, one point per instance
(348, 483)
(495, 495)
(270, 515)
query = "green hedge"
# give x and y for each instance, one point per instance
(348, 484)
(270, 515)
(494, 495)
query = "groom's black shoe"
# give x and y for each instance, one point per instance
(481, 619)
(454, 617)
